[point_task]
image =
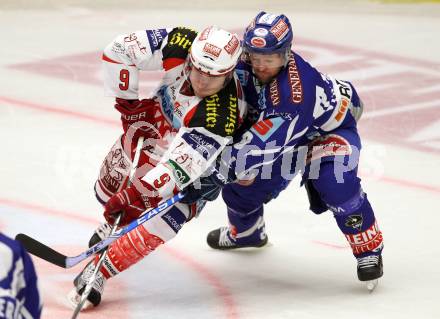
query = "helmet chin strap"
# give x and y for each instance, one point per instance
(288, 55)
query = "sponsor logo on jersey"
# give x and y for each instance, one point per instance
(166, 102)
(258, 42)
(175, 219)
(178, 43)
(179, 173)
(155, 38)
(232, 45)
(342, 110)
(266, 128)
(354, 221)
(328, 145)
(133, 46)
(280, 29)
(183, 156)
(346, 92)
(365, 241)
(285, 115)
(212, 50)
(118, 47)
(231, 118)
(180, 39)
(296, 88)
(218, 113)
(204, 145)
(177, 109)
(113, 171)
(212, 106)
(274, 92)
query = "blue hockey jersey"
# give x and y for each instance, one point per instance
(19, 295)
(297, 106)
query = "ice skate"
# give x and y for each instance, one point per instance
(369, 270)
(222, 239)
(94, 298)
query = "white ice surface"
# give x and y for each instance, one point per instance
(49, 162)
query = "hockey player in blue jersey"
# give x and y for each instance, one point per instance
(301, 120)
(19, 295)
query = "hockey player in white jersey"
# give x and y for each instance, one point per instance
(19, 294)
(191, 117)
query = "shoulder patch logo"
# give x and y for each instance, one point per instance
(155, 38)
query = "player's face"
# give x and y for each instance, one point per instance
(266, 66)
(205, 85)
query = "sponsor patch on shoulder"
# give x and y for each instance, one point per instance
(155, 38)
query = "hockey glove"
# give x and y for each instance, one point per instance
(133, 111)
(131, 202)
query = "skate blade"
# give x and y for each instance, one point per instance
(73, 299)
(371, 285)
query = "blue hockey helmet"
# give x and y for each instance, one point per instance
(268, 33)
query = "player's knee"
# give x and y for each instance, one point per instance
(330, 190)
(325, 192)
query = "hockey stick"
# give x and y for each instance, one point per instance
(48, 254)
(42, 251)
(89, 286)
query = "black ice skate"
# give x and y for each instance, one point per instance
(80, 282)
(370, 269)
(222, 239)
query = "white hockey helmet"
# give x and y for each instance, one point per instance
(215, 51)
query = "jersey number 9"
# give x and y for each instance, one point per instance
(124, 77)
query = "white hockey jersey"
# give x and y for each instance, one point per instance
(202, 127)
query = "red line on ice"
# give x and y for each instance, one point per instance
(83, 116)
(58, 111)
(330, 244)
(46, 210)
(410, 184)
